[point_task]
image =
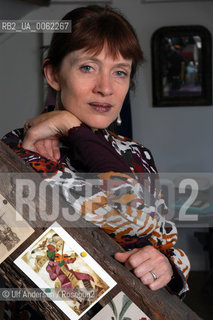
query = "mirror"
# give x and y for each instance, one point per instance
(181, 66)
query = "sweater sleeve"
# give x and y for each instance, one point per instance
(165, 237)
(94, 152)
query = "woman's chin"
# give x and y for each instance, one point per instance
(99, 125)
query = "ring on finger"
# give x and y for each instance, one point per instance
(154, 275)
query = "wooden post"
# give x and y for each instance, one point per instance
(158, 305)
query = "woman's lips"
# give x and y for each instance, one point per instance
(100, 107)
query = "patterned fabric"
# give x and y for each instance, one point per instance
(129, 207)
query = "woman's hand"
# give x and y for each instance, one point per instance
(143, 262)
(42, 132)
(48, 148)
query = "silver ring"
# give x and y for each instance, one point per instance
(154, 275)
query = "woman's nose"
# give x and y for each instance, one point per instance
(103, 85)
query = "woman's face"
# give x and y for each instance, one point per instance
(93, 87)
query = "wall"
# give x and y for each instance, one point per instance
(180, 138)
(20, 83)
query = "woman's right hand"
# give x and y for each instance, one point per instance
(42, 132)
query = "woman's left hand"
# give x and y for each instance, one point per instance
(144, 262)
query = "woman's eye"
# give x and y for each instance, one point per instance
(86, 68)
(120, 73)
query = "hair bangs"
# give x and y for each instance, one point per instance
(110, 33)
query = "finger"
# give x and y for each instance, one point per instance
(56, 149)
(161, 282)
(41, 149)
(123, 256)
(148, 279)
(163, 274)
(138, 257)
(143, 268)
(48, 148)
(150, 259)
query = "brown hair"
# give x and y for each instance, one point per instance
(93, 27)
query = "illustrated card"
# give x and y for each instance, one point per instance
(121, 307)
(14, 230)
(56, 261)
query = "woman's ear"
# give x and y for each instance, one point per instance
(51, 77)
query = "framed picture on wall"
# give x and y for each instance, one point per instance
(181, 66)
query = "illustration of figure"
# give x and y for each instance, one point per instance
(68, 279)
(60, 270)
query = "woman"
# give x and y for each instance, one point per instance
(91, 69)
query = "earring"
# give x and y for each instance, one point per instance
(119, 121)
